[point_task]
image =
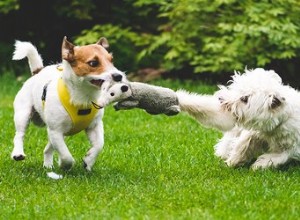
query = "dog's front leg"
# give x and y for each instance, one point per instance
(56, 138)
(48, 155)
(226, 143)
(241, 150)
(96, 138)
(246, 147)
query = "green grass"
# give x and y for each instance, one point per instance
(152, 167)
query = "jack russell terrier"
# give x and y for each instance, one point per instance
(63, 97)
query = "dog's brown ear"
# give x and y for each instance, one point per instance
(103, 42)
(67, 50)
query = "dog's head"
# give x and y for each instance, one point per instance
(113, 92)
(92, 62)
(256, 100)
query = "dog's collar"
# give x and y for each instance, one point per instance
(81, 116)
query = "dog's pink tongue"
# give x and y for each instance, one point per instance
(97, 82)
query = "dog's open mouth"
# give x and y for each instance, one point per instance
(97, 82)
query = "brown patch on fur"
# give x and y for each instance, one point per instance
(85, 54)
(67, 50)
(37, 71)
(80, 58)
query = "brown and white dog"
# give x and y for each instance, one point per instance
(63, 98)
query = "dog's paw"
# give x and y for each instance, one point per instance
(66, 164)
(222, 152)
(48, 165)
(18, 157)
(236, 159)
(234, 162)
(87, 165)
(48, 161)
(263, 162)
(270, 160)
(221, 155)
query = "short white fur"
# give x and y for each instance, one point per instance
(28, 102)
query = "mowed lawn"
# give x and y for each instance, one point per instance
(151, 167)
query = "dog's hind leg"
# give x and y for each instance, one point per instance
(56, 139)
(22, 113)
(96, 138)
(48, 156)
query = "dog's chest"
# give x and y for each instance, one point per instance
(282, 139)
(81, 116)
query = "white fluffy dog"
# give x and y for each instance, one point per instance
(62, 96)
(260, 117)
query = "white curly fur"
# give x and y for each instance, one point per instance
(206, 109)
(266, 118)
(270, 111)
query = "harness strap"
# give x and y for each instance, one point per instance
(81, 116)
(44, 94)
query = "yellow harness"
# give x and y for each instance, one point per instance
(81, 116)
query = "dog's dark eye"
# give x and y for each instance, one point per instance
(93, 63)
(112, 94)
(244, 99)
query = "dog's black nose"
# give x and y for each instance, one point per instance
(124, 88)
(117, 77)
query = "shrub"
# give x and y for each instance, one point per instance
(210, 36)
(122, 41)
(222, 35)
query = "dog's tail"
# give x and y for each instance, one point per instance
(206, 109)
(26, 49)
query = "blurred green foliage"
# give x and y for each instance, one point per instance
(123, 42)
(212, 36)
(223, 35)
(79, 9)
(209, 36)
(8, 5)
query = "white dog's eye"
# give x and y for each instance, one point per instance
(244, 99)
(93, 63)
(112, 94)
(275, 102)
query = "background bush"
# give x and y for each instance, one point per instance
(200, 36)
(222, 35)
